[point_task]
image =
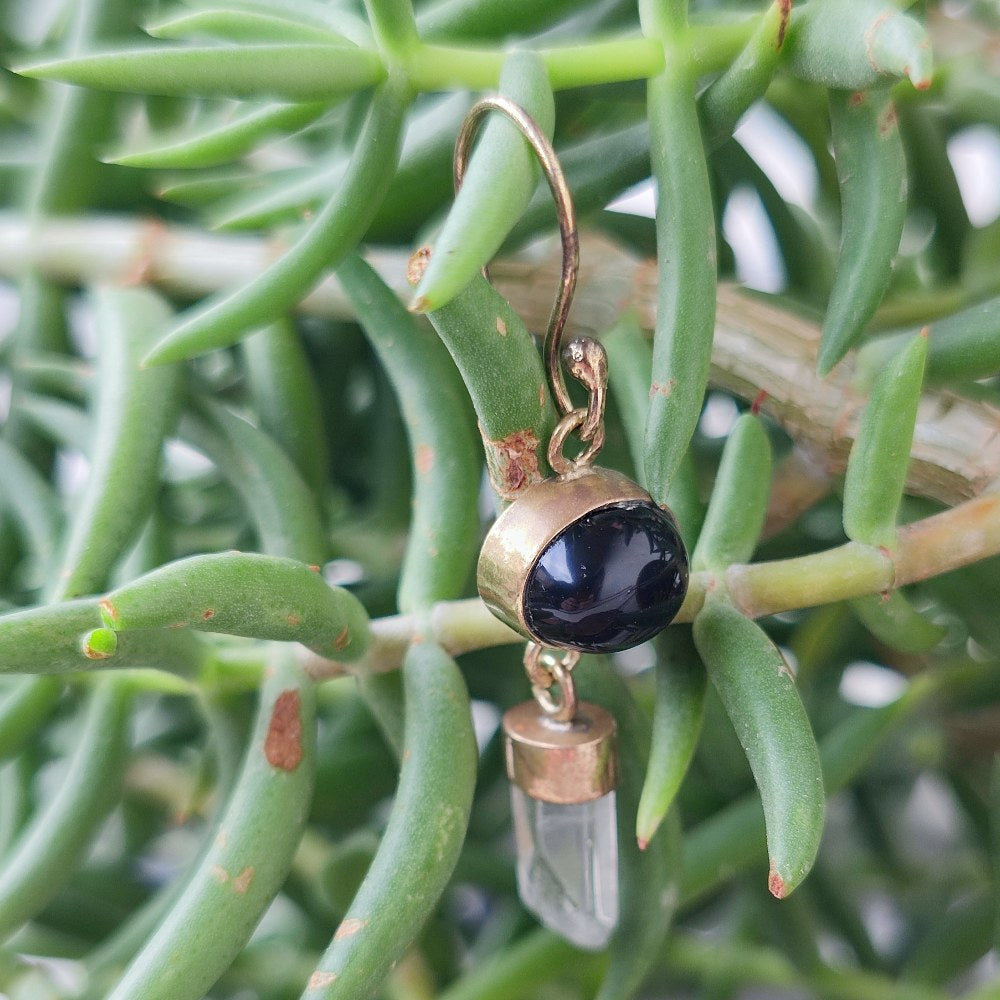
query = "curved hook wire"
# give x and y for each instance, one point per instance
(567, 224)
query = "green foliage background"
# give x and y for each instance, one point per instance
(241, 500)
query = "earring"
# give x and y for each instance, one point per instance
(584, 561)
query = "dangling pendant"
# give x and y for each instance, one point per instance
(563, 767)
(582, 561)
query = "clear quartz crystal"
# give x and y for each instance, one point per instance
(567, 865)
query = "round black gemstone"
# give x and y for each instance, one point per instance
(609, 581)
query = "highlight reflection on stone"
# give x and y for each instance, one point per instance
(612, 579)
(567, 865)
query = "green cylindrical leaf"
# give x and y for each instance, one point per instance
(894, 621)
(394, 26)
(219, 141)
(242, 593)
(25, 707)
(251, 851)
(630, 366)
(50, 639)
(728, 98)
(738, 504)
(246, 26)
(134, 410)
(33, 504)
(963, 346)
(286, 398)
(501, 176)
(880, 456)
(515, 412)
(422, 839)
(333, 233)
(686, 268)
(677, 717)
(56, 840)
(292, 72)
(855, 44)
(758, 691)
(933, 183)
(447, 467)
(871, 167)
(280, 505)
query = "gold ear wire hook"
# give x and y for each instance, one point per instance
(567, 224)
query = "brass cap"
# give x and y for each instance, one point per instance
(526, 528)
(563, 762)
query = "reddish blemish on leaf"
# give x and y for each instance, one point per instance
(283, 744)
(662, 389)
(95, 654)
(293, 620)
(776, 884)
(220, 874)
(109, 612)
(643, 843)
(208, 614)
(343, 638)
(242, 881)
(513, 462)
(758, 402)
(424, 459)
(319, 979)
(349, 927)
(857, 99)
(314, 567)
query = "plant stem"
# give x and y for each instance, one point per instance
(759, 349)
(935, 545)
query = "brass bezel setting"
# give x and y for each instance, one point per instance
(527, 527)
(563, 762)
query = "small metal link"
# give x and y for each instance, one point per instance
(551, 669)
(559, 462)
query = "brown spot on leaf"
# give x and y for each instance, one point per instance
(543, 396)
(424, 459)
(109, 611)
(343, 638)
(283, 743)
(857, 99)
(314, 567)
(758, 402)
(242, 881)
(95, 654)
(501, 326)
(662, 388)
(208, 614)
(513, 462)
(222, 839)
(319, 979)
(349, 927)
(786, 13)
(776, 884)
(293, 619)
(889, 120)
(220, 874)
(417, 264)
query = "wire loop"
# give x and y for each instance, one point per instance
(552, 169)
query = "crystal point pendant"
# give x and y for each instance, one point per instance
(562, 792)
(567, 865)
